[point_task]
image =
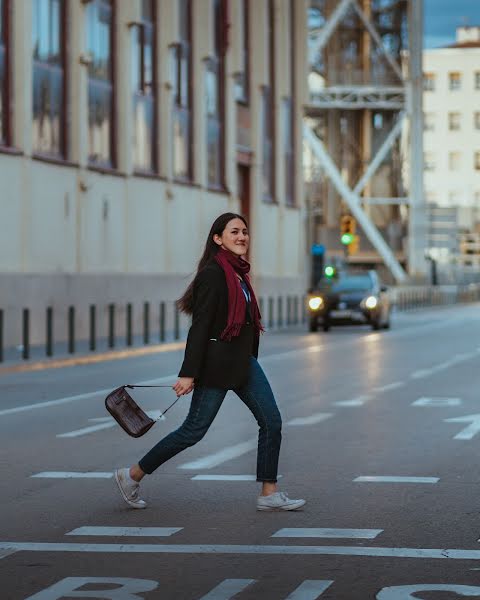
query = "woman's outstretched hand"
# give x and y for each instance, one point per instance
(183, 386)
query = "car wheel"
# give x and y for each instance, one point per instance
(326, 326)
(386, 325)
(313, 325)
(375, 325)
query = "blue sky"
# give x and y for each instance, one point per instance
(441, 17)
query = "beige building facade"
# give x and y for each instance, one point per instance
(127, 126)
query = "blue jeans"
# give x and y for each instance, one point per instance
(206, 401)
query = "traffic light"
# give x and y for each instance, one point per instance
(329, 271)
(347, 230)
(353, 247)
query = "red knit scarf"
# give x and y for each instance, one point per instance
(237, 303)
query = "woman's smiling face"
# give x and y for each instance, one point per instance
(234, 237)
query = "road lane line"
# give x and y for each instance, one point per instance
(437, 402)
(218, 458)
(5, 553)
(375, 551)
(67, 399)
(310, 589)
(421, 373)
(228, 589)
(395, 479)
(327, 532)
(311, 420)
(468, 432)
(389, 386)
(73, 475)
(359, 401)
(126, 531)
(85, 430)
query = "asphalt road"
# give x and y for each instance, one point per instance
(357, 405)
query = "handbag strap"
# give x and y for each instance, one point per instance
(130, 386)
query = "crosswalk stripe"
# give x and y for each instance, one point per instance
(326, 532)
(74, 475)
(228, 589)
(395, 479)
(126, 531)
(311, 420)
(5, 553)
(310, 589)
(384, 552)
(218, 458)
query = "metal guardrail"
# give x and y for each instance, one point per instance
(412, 297)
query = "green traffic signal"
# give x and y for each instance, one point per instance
(329, 271)
(347, 239)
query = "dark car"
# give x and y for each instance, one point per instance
(353, 298)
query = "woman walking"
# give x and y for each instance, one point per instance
(220, 355)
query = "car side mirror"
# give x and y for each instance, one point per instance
(383, 288)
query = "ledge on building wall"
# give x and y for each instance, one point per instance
(218, 190)
(10, 150)
(103, 170)
(62, 162)
(186, 182)
(149, 175)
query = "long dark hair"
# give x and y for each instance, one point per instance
(185, 303)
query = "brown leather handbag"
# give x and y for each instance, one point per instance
(126, 412)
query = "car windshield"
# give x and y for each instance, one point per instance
(356, 283)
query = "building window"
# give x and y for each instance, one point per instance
(429, 80)
(215, 89)
(242, 88)
(454, 121)
(289, 116)
(454, 161)
(429, 121)
(477, 80)
(99, 44)
(5, 137)
(477, 120)
(429, 161)
(268, 110)
(454, 81)
(144, 90)
(48, 129)
(182, 95)
(477, 161)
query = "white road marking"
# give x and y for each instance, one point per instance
(70, 588)
(395, 479)
(344, 403)
(218, 458)
(458, 358)
(428, 553)
(4, 553)
(326, 532)
(73, 475)
(310, 589)
(437, 402)
(226, 477)
(228, 589)
(67, 399)
(421, 373)
(126, 531)
(105, 423)
(469, 432)
(405, 592)
(389, 386)
(311, 420)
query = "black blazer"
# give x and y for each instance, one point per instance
(210, 361)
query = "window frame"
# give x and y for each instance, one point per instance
(454, 161)
(454, 81)
(6, 89)
(63, 155)
(139, 92)
(179, 111)
(242, 88)
(476, 160)
(454, 121)
(269, 120)
(429, 81)
(476, 80)
(476, 119)
(289, 150)
(112, 166)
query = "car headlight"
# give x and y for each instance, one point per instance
(371, 302)
(315, 303)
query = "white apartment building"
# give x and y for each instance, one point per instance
(451, 105)
(126, 128)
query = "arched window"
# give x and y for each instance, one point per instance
(100, 30)
(144, 90)
(48, 130)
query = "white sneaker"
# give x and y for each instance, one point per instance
(278, 501)
(128, 488)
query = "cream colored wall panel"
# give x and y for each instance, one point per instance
(49, 238)
(102, 225)
(11, 199)
(147, 233)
